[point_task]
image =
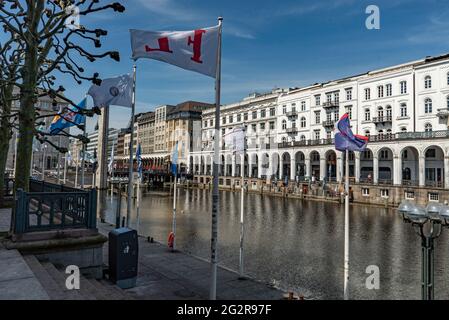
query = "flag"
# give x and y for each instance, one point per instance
(346, 140)
(195, 50)
(68, 118)
(174, 160)
(139, 160)
(113, 91)
(111, 160)
(235, 140)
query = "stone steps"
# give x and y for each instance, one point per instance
(53, 279)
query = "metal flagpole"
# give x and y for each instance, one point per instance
(138, 206)
(84, 154)
(130, 174)
(43, 161)
(59, 161)
(76, 169)
(215, 194)
(174, 211)
(65, 168)
(242, 196)
(346, 263)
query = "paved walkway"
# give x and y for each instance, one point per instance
(17, 281)
(162, 275)
(175, 275)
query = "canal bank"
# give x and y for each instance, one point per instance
(380, 194)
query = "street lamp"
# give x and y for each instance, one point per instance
(427, 222)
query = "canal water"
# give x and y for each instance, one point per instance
(297, 244)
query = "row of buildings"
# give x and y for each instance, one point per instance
(403, 109)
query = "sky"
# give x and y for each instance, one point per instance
(266, 44)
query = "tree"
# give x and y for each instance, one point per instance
(10, 59)
(51, 46)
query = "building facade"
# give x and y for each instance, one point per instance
(403, 109)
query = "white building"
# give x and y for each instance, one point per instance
(403, 109)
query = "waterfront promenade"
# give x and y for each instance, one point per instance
(163, 275)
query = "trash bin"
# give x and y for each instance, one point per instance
(123, 257)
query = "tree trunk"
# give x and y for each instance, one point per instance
(5, 136)
(28, 97)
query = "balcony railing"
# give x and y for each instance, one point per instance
(331, 104)
(328, 123)
(385, 119)
(443, 113)
(375, 138)
(292, 130)
(292, 113)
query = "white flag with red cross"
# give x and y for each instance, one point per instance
(194, 50)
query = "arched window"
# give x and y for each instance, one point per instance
(284, 124)
(428, 105)
(389, 112)
(303, 122)
(380, 112)
(303, 138)
(428, 82)
(367, 133)
(428, 127)
(284, 139)
(367, 115)
(403, 129)
(403, 109)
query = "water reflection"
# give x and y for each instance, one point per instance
(299, 244)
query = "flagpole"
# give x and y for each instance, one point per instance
(59, 161)
(84, 154)
(346, 252)
(215, 194)
(242, 197)
(76, 169)
(130, 174)
(174, 211)
(65, 168)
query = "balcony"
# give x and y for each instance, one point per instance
(386, 119)
(292, 114)
(331, 104)
(292, 130)
(443, 113)
(328, 123)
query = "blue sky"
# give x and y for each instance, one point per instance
(267, 44)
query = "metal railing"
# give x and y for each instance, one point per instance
(328, 123)
(331, 104)
(292, 113)
(382, 119)
(54, 207)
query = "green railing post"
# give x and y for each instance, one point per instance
(20, 214)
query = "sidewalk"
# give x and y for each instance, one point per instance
(165, 275)
(162, 275)
(17, 281)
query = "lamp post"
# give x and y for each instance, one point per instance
(427, 222)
